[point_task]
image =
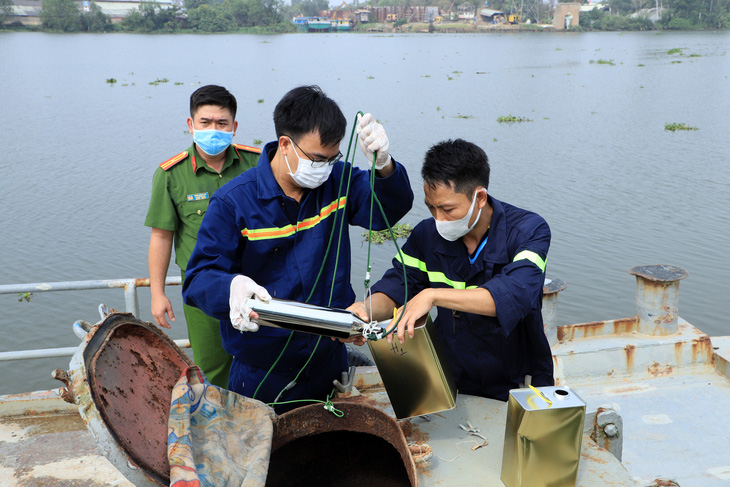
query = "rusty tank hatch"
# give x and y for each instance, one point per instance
(122, 376)
(365, 447)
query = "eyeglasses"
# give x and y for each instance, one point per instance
(318, 163)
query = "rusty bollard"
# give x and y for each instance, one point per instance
(657, 298)
(550, 291)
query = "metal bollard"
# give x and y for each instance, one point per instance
(550, 291)
(657, 298)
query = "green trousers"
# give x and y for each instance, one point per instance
(204, 333)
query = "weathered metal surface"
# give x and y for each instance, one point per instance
(365, 447)
(657, 298)
(631, 355)
(131, 377)
(605, 427)
(597, 328)
(721, 355)
(121, 379)
(44, 442)
(550, 292)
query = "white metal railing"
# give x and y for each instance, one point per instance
(131, 301)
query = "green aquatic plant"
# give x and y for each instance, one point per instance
(673, 127)
(676, 50)
(260, 100)
(25, 297)
(512, 118)
(400, 230)
(111, 81)
(158, 81)
(179, 83)
(463, 116)
(603, 61)
(257, 141)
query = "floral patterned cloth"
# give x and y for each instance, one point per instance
(217, 437)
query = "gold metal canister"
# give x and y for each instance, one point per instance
(542, 437)
(416, 374)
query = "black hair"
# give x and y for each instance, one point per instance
(308, 109)
(457, 162)
(212, 95)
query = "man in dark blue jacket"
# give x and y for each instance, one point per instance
(266, 234)
(481, 262)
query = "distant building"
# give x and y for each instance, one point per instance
(566, 15)
(492, 16)
(466, 11)
(362, 15)
(410, 14)
(28, 12)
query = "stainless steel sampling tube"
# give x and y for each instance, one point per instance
(308, 318)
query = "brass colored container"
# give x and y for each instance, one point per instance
(542, 437)
(416, 374)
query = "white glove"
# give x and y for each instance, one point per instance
(372, 138)
(242, 288)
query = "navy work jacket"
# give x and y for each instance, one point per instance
(488, 355)
(252, 228)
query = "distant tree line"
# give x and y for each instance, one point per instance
(676, 14)
(276, 15)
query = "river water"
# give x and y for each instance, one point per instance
(618, 190)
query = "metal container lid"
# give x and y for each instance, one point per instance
(553, 397)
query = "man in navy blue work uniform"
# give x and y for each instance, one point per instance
(481, 262)
(266, 234)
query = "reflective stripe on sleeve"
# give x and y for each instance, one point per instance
(532, 257)
(285, 231)
(433, 276)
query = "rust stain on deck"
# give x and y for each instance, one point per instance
(658, 370)
(630, 350)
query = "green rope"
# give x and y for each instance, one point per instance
(328, 404)
(324, 259)
(374, 198)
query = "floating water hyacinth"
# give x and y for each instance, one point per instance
(673, 127)
(512, 118)
(400, 230)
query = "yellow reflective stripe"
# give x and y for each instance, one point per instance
(433, 276)
(532, 257)
(285, 231)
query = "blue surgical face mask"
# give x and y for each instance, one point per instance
(212, 142)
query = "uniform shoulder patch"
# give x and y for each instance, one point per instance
(247, 148)
(174, 160)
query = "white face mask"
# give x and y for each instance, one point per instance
(308, 176)
(454, 230)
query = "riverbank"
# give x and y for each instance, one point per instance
(451, 27)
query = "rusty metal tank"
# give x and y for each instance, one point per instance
(122, 377)
(365, 447)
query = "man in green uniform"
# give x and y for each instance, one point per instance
(181, 189)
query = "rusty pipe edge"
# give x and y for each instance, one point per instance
(657, 298)
(359, 418)
(66, 392)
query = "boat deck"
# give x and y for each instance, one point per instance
(673, 406)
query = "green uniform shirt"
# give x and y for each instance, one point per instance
(181, 189)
